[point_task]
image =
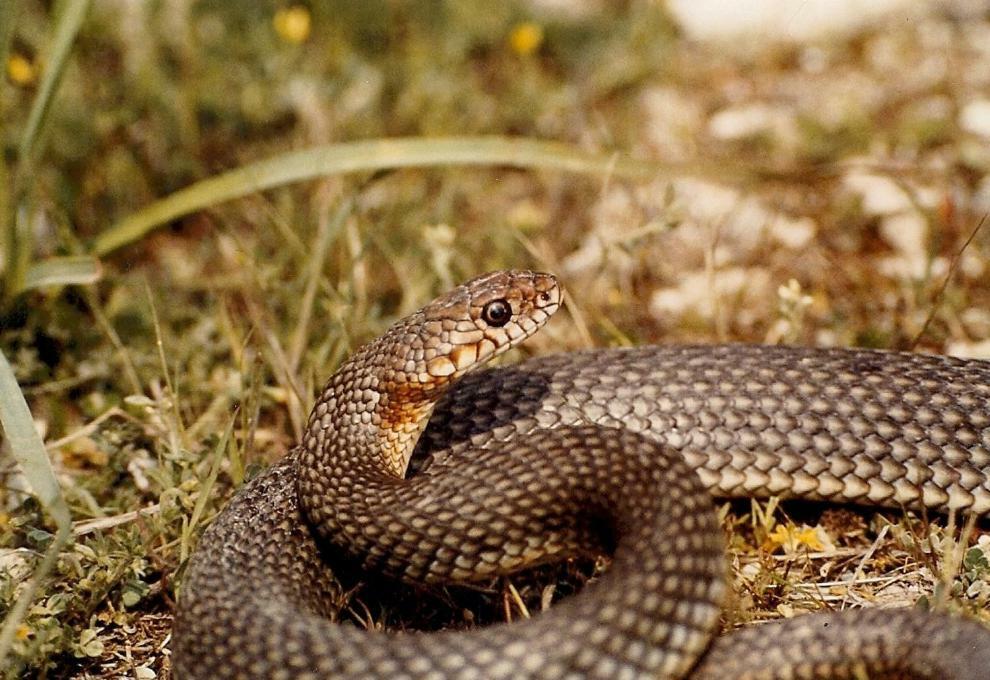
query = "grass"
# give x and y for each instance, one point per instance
(191, 362)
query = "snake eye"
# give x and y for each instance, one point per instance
(497, 313)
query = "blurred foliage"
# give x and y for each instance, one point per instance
(157, 91)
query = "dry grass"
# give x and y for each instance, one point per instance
(834, 188)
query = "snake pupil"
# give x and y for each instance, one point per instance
(497, 313)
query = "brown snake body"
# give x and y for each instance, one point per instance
(526, 464)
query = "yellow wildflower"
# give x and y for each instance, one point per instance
(791, 538)
(20, 70)
(293, 24)
(526, 38)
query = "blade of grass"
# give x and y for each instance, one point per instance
(66, 28)
(940, 293)
(9, 9)
(204, 493)
(8, 17)
(62, 271)
(176, 432)
(29, 451)
(122, 350)
(326, 234)
(6, 226)
(17, 232)
(372, 155)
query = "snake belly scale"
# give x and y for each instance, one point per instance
(527, 463)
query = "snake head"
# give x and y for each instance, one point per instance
(421, 355)
(464, 328)
(479, 320)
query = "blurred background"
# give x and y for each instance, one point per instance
(770, 171)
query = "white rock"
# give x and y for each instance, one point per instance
(969, 350)
(880, 195)
(701, 292)
(673, 120)
(907, 233)
(793, 233)
(714, 223)
(975, 117)
(981, 196)
(779, 123)
(781, 20)
(972, 265)
(747, 120)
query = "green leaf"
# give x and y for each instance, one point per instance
(15, 239)
(66, 29)
(89, 644)
(28, 450)
(62, 271)
(204, 492)
(8, 18)
(975, 559)
(9, 10)
(39, 538)
(369, 156)
(133, 592)
(26, 446)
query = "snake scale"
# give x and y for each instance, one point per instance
(535, 462)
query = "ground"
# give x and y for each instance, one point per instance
(825, 192)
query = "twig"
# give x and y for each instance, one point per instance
(945, 282)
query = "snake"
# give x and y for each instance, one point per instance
(619, 449)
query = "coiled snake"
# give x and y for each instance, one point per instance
(530, 462)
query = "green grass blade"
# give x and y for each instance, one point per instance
(9, 9)
(189, 529)
(7, 239)
(8, 18)
(29, 452)
(17, 242)
(65, 35)
(62, 271)
(26, 446)
(368, 156)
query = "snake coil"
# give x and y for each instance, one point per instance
(528, 460)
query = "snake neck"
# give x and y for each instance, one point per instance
(371, 414)
(358, 443)
(361, 433)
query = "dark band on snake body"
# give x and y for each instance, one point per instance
(522, 457)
